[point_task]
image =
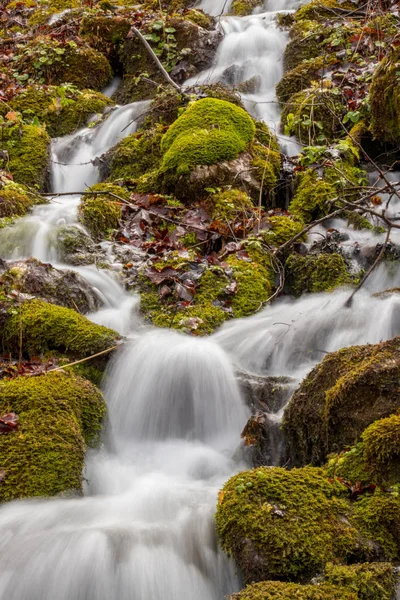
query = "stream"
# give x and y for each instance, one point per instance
(144, 529)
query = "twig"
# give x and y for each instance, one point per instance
(77, 362)
(155, 58)
(349, 301)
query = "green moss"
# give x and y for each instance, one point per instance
(313, 113)
(227, 205)
(266, 138)
(106, 33)
(242, 8)
(208, 132)
(304, 45)
(385, 99)
(254, 281)
(46, 327)
(57, 413)
(137, 154)
(283, 524)
(200, 18)
(370, 581)
(354, 386)
(300, 78)
(311, 197)
(281, 230)
(350, 466)
(317, 9)
(378, 517)
(102, 213)
(279, 590)
(382, 450)
(62, 108)
(86, 69)
(316, 273)
(28, 149)
(15, 200)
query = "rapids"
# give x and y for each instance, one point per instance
(144, 528)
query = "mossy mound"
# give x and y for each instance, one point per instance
(317, 9)
(311, 197)
(300, 78)
(381, 442)
(58, 413)
(377, 517)
(28, 148)
(281, 524)
(385, 99)
(75, 246)
(279, 590)
(304, 44)
(62, 108)
(281, 230)
(370, 581)
(340, 398)
(241, 8)
(229, 203)
(314, 112)
(15, 200)
(105, 33)
(101, 213)
(49, 61)
(137, 154)
(316, 273)
(208, 132)
(45, 327)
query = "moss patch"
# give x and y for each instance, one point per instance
(279, 590)
(58, 413)
(385, 99)
(28, 150)
(101, 213)
(316, 273)
(137, 154)
(15, 200)
(45, 327)
(340, 398)
(281, 524)
(370, 581)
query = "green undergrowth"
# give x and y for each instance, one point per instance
(59, 414)
(16, 200)
(28, 148)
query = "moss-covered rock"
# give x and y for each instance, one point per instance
(62, 108)
(208, 132)
(385, 99)
(304, 44)
(314, 112)
(316, 273)
(137, 155)
(101, 213)
(229, 203)
(75, 246)
(311, 197)
(279, 590)
(340, 398)
(15, 200)
(377, 517)
(105, 33)
(52, 62)
(28, 148)
(381, 442)
(58, 413)
(65, 288)
(241, 8)
(300, 78)
(281, 229)
(281, 524)
(44, 327)
(369, 581)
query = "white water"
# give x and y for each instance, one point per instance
(144, 530)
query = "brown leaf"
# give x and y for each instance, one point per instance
(8, 423)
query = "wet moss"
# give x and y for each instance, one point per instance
(281, 230)
(44, 327)
(340, 398)
(377, 517)
(15, 200)
(300, 78)
(105, 33)
(241, 8)
(314, 112)
(101, 213)
(350, 465)
(316, 273)
(254, 283)
(304, 44)
(137, 154)
(62, 108)
(28, 148)
(369, 581)
(381, 442)
(281, 524)
(279, 590)
(229, 204)
(385, 99)
(311, 198)
(58, 413)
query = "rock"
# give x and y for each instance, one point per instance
(65, 288)
(76, 247)
(266, 394)
(340, 398)
(59, 414)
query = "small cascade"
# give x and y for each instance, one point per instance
(145, 528)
